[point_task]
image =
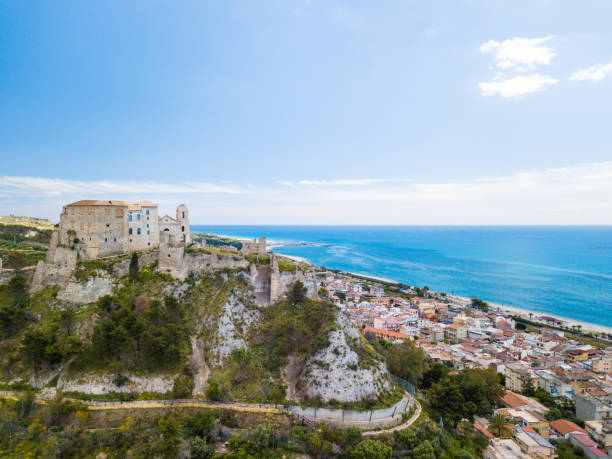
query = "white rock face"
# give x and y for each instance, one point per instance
(102, 384)
(89, 291)
(233, 326)
(333, 373)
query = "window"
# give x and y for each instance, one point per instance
(105, 240)
(115, 240)
(147, 225)
(147, 217)
(183, 229)
(138, 231)
(107, 211)
(137, 216)
(147, 211)
(119, 213)
(107, 225)
(130, 231)
(148, 232)
(183, 214)
(130, 216)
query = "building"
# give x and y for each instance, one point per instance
(177, 229)
(562, 428)
(533, 443)
(455, 333)
(589, 447)
(504, 449)
(91, 229)
(517, 376)
(386, 334)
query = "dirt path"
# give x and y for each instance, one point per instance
(198, 366)
(403, 426)
(191, 404)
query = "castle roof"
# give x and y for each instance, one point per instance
(95, 202)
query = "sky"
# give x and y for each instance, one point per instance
(450, 112)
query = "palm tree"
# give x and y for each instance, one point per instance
(497, 425)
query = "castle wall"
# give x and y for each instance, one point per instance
(143, 228)
(100, 230)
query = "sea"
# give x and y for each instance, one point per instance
(561, 270)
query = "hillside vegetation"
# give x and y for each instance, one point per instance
(23, 241)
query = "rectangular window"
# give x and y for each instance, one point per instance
(130, 231)
(130, 216)
(137, 216)
(119, 213)
(147, 211)
(107, 211)
(148, 232)
(147, 225)
(138, 231)
(105, 240)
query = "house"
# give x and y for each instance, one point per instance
(562, 428)
(533, 443)
(504, 449)
(520, 402)
(589, 447)
(455, 333)
(517, 376)
(529, 419)
(388, 335)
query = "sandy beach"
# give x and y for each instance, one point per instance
(535, 316)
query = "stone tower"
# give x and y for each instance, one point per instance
(182, 217)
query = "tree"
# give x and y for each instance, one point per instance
(213, 392)
(479, 304)
(529, 388)
(372, 449)
(407, 361)
(200, 449)
(497, 426)
(168, 430)
(424, 451)
(134, 266)
(183, 387)
(297, 293)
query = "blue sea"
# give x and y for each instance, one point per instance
(565, 271)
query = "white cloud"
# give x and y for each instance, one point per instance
(516, 86)
(511, 58)
(579, 194)
(594, 73)
(50, 186)
(520, 53)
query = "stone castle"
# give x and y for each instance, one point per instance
(92, 229)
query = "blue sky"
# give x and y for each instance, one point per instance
(322, 112)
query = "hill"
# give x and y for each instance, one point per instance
(29, 222)
(23, 241)
(97, 331)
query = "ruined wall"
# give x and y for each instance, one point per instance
(256, 247)
(56, 273)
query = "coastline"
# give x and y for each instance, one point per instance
(501, 308)
(497, 307)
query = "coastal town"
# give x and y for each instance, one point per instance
(465, 334)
